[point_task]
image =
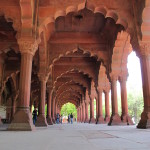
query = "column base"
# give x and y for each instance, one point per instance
(92, 120)
(49, 121)
(86, 121)
(53, 120)
(100, 120)
(107, 119)
(41, 121)
(127, 119)
(115, 120)
(22, 121)
(145, 121)
(81, 121)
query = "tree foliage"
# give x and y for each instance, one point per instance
(68, 109)
(135, 105)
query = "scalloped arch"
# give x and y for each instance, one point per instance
(69, 101)
(86, 5)
(73, 51)
(70, 91)
(72, 70)
(8, 15)
(7, 78)
(65, 84)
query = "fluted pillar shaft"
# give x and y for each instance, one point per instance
(81, 114)
(49, 108)
(1, 77)
(83, 111)
(145, 71)
(100, 107)
(41, 120)
(115, 118)
(107, 109)
(77, 114)
(86, 112)
(92, 119)
(53, 111)
(124, 102)
(22, 118)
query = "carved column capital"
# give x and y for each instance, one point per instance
(144, 49)
(42, 77)
(87, 102)
(83, 103)
(123, 78)
(114, 77)
(106, 90)
(29, 46)
(100, 89)
(92, 97)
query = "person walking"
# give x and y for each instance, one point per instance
(34, 116)
(71, 116)
(57, 118)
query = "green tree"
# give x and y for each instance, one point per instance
(135, 105)
(69, 108)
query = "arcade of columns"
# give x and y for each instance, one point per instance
(54, 52)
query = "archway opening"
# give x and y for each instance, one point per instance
(66, 110)
(134, 88)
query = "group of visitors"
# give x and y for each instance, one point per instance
(58, 118)
(70, 118)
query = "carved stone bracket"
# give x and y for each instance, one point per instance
(144, 49)
(99, 89)
(28, 46)
(123, 78)
(114, 77)
(42, 77)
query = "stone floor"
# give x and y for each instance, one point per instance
(77, 137)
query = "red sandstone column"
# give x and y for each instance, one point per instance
(22, 118)
(124, 102)
(107, 110)
(83, 111)
(1, 72)
(100, 107)
(78, 114)
(1, 79)
(96, 110)
(81, 114)
(92, 119)
(13, 107)
(115, 118)
(86, 112)
(41, 119)
(49, 112)
(1, 75)
(145, 71)
(0, 106)
(53, 111)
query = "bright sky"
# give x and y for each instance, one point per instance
(134, 81)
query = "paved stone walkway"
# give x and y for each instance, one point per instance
(77, 137)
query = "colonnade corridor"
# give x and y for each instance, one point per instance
(77, 136)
